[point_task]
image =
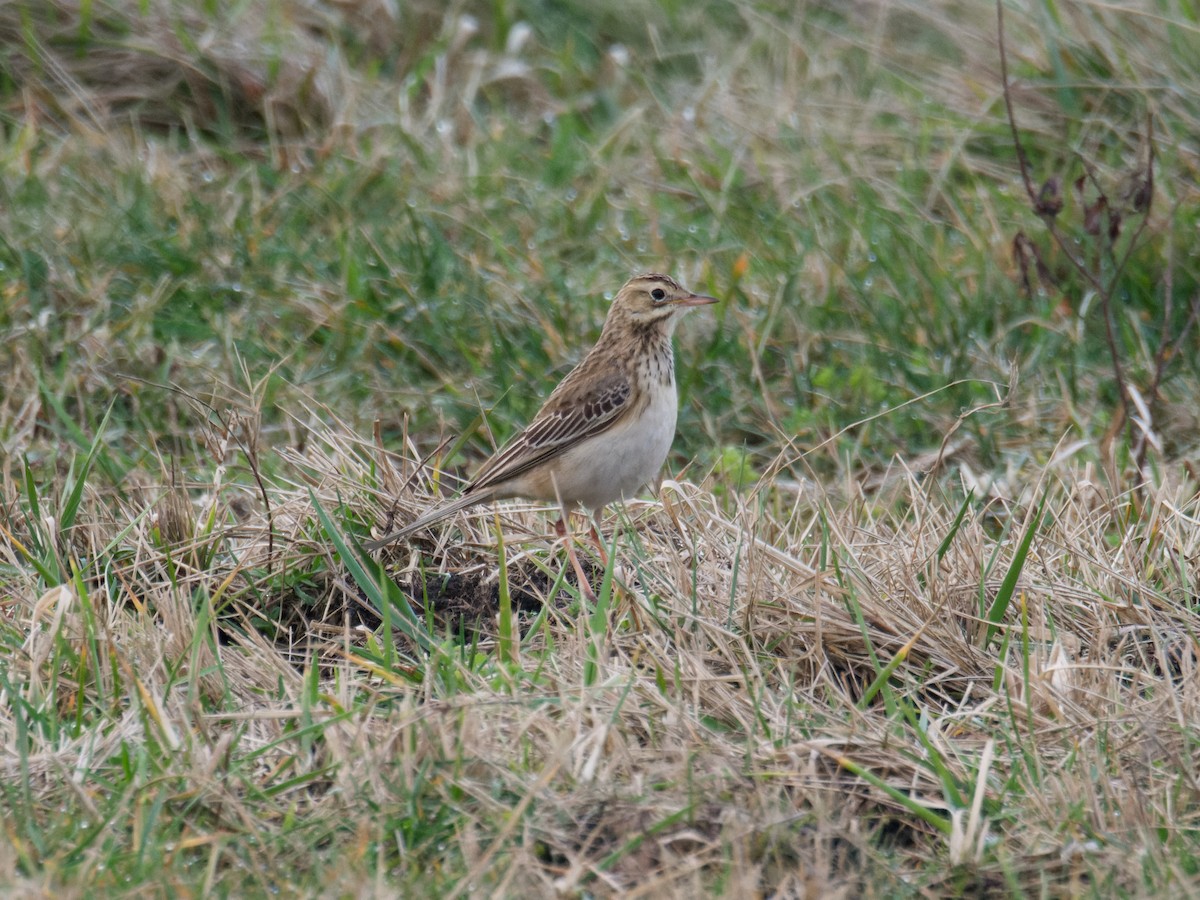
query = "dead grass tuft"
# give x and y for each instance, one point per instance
(173, 66)
(734, 724)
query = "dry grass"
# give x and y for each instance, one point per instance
(728, 724)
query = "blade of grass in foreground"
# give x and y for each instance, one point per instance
(598, 620)
(370, 576)
(914, 806)
(509, 639)
(42, 540)
(958, 520)
(995, 615)
(76, 482)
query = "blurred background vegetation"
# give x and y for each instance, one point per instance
(415, 210)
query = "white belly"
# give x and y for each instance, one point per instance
(620, 462)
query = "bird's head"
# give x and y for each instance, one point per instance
(651, 298)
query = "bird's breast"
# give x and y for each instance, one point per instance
(620, 461)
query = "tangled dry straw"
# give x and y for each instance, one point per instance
(250, 71)
(736, 703)
(171, 65)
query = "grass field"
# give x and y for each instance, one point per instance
(916, 610)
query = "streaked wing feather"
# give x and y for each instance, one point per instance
(557, 428)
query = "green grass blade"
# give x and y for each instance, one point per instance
(510, 643)
(75, 487)
(922, 812)
(944, 546)
(995, 615)
(370, 576)
(598, 619)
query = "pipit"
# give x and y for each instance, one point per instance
(605, 431)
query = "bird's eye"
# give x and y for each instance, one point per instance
(658, 295)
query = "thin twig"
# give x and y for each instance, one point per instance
(248, 448)
(1093, 274)
(1149, 182)
(1023, 162)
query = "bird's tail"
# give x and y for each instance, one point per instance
(434, 515)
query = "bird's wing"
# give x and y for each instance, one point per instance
(568, 417)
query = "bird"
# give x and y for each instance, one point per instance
(604, 433)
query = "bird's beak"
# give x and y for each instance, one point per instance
(695, 300)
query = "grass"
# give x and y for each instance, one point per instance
(915, 610)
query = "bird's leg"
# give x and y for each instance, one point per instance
(598, 541)
(560, 528)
